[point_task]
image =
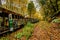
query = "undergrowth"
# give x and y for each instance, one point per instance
(56, 20)
(27, 31)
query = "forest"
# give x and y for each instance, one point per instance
(30, 19)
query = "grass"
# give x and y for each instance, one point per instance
(4, 38)
(27, 31)
(56, 20)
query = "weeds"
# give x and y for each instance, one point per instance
(4, 38)
(56, 20)
(27, 31)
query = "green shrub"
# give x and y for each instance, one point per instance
(56, 20)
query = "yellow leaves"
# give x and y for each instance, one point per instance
(16, 1)
(58, 2)
(23, 8)
(16, 5)
(38, 15)
(35, 15)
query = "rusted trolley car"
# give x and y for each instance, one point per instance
(17, 21)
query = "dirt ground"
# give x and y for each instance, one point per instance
(42, 31)
(46, 31)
